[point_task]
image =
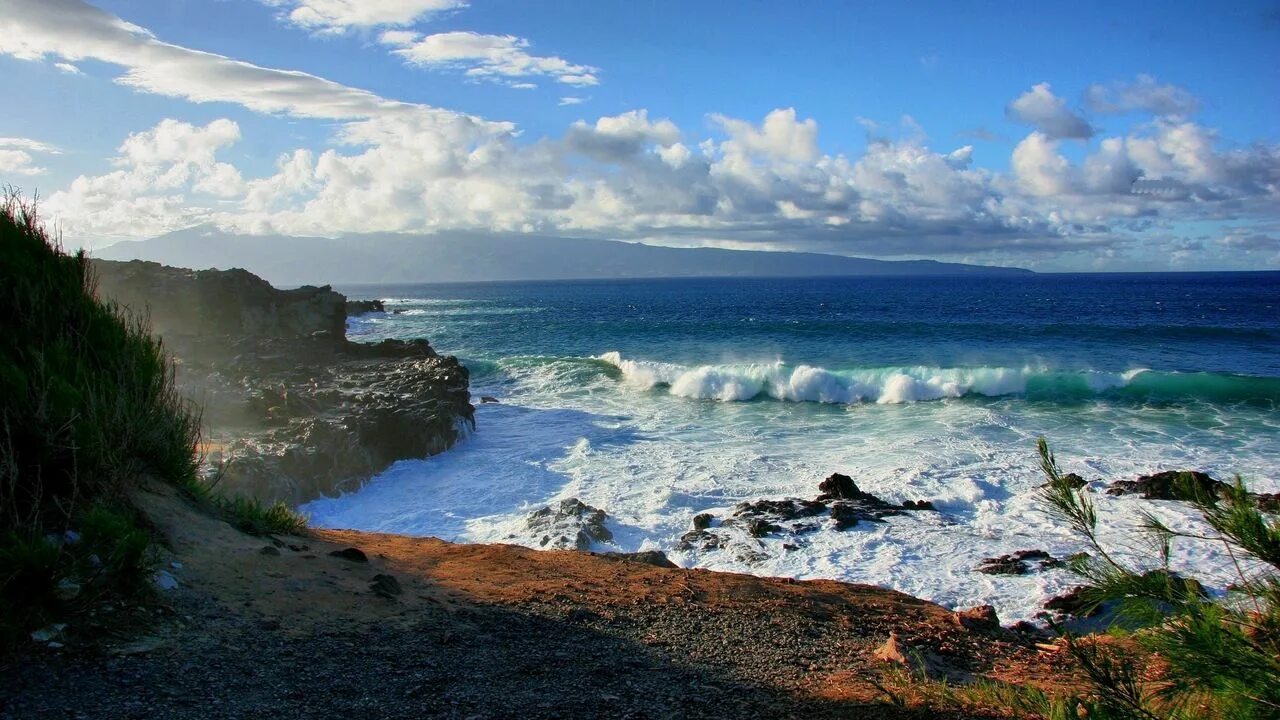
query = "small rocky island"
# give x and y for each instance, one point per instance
(293, 410)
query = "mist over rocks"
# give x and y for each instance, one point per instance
(293, 410)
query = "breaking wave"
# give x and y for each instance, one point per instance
(892, 385)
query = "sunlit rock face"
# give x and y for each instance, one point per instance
(293, 410)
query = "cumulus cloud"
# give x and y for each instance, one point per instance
(392, 166)
(620, 137)
(149, 192)
(336, 16)
(16, 158)
(489, 57)
(1144, 94)
(1049, 114)
(68, 68)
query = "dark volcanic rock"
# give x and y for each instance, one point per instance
(1076, 602)
(1169, 485)
(789, 509)
(845, 515)
(839, 498)
(702, 540)
(572, 524)
(656, 558)
(384, 585)
(838, 487)
(352, 554)
(360, 307)
(293, 409)
(1019, 563)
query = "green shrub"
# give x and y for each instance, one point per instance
(1221, 657)
(257, 518)
(88, 405)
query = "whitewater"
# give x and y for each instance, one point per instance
(660, 400)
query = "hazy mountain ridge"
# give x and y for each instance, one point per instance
(462, 257)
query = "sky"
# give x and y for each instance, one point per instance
(1081, 136)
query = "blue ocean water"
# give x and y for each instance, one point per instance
(657, 400)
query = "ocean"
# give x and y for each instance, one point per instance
(657, 400)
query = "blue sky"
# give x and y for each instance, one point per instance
(1113, 136)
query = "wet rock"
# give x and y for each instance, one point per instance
(982, 617)
(919, 505)
(656, 558)
(838, 486)
(1170, 485)
(297, 410)
(845, 515)
(488, 399)
(384, 585)
(572, 524)
(1177, 584)
(702, 521)
(1076, 602)
(1268, 502)
(780, 510)
(360, 307)
(701, 540)
(352, 554)
(1022, 562)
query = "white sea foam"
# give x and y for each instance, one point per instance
(803, 383)
(653, 461)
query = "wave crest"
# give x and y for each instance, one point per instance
(896, 385)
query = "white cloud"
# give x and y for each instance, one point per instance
(1252, 242)
(16, 158)
(335, 16)
(780, 136)
(149, 192)
(571, 101)
(1144, 94)
(73, 30)
(490, 57)
(29, 145)
(17, 162)
(68, 68)
(1049, 114)
(761, 182)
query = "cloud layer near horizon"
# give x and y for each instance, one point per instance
(395, 166)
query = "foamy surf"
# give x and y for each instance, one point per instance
(848, 378)
(896, 385)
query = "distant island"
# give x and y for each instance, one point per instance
(469, 257)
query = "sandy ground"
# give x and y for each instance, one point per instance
(279, 627)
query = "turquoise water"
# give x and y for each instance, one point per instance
(657, 400)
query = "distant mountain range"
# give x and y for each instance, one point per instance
(462, 257)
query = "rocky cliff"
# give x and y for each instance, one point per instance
(293, 410)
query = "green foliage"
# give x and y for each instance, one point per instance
(1221, 658)
(44, 578)
(257, 518)
(88, 405)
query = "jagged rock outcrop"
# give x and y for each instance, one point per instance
(840, 500)
(360, 307)
(293, 409)
(1187, 486)
(569, 525)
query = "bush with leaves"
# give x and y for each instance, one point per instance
(1220, 658)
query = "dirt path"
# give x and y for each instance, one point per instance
(285, 629)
